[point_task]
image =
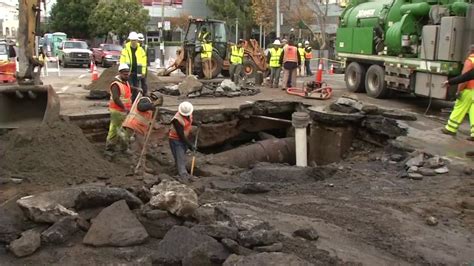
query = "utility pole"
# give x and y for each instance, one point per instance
(260, 37)
(162, 45)
(236, 30)
(278, 18)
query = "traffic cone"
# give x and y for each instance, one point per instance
(331, 70)
(95, 73)
(91, 68)
(319, 74)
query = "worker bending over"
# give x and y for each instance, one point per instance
(120, 104)
(179, 137)
(139, 121)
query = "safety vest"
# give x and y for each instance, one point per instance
(470, 83)
(126, 57)
(308, 53)
(203, 36)
(125, 96)
(237, 55)
(185, 122)
(206, 52)
(138, 121)
(275, 57)
(301, 52)
(291, 54)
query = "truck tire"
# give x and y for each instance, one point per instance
(355, 77)
(249, 68)
(216, 65)
(375, 82)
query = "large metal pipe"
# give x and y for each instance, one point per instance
(271, 150)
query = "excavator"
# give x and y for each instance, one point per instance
(28, 102)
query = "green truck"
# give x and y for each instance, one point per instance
(410, 46)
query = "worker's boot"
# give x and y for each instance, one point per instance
(447, 132)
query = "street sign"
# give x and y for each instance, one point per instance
(167, 25)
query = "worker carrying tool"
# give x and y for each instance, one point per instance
(464, 101)
(179, 133)
(139, 122)
(236, 60)
(120, 104)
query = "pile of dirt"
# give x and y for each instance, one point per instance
(53, 153)
(108, 75)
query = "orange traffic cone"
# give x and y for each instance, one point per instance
(91, 68)
(331, 70)
(319, 74)
(95, 73)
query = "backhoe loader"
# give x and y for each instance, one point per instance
(27, 102)
(188, 58)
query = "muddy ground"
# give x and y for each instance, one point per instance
(363, 211)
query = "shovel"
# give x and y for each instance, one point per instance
(147, 138)
(194, 152)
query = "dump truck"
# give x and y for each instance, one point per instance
(410, 46)
(27, 102)
(188, 58)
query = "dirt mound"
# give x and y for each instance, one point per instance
(108, 75)
(51, 153)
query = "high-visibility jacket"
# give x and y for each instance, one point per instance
(237, 55)
(126, 57)
(308, 53)
(206, 52)
(185, 122)
(469, 65)
(291, 54)
(275, 54)
(139, 121)
(125, 96)
(203, 36)
(301, 52)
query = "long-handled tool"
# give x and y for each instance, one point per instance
(147, 138)
(194, 152)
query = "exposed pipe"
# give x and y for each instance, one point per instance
(271, 150)
(271, 118)
(300, 121)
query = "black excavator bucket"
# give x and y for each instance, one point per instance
(27, 105)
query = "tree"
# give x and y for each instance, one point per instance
(119, 17)
(230, 10)
(263, 13)
(70, 17)
(311, 12)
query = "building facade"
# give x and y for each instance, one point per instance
(8, 19)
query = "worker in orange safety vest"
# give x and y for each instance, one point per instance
(290, 59)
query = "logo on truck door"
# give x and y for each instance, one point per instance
(366, 13)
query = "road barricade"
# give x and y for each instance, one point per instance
(51, 65)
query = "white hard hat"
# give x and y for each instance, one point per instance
(140, 37)
(277, 42)
(300, 44)
(123, 67)
(133, 36)
(306, 42)
(185, 108)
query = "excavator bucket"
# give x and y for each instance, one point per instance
(27, 105)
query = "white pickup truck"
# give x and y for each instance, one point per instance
(74, 53)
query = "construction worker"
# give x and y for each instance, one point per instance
(290, 60)
(203, 35)
(206, 57)
(284, 43)
(179, 137)
(135, 57)
(273, 61)
(236, 60)
(308, 55)
(143, 83)
(120, 104)
(139, 120)
(464, 102)
(301, 52)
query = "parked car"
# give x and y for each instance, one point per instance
(74, 53)
(107, 54)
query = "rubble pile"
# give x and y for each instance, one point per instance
(53, 151)
(191, 87)
(421, 164)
